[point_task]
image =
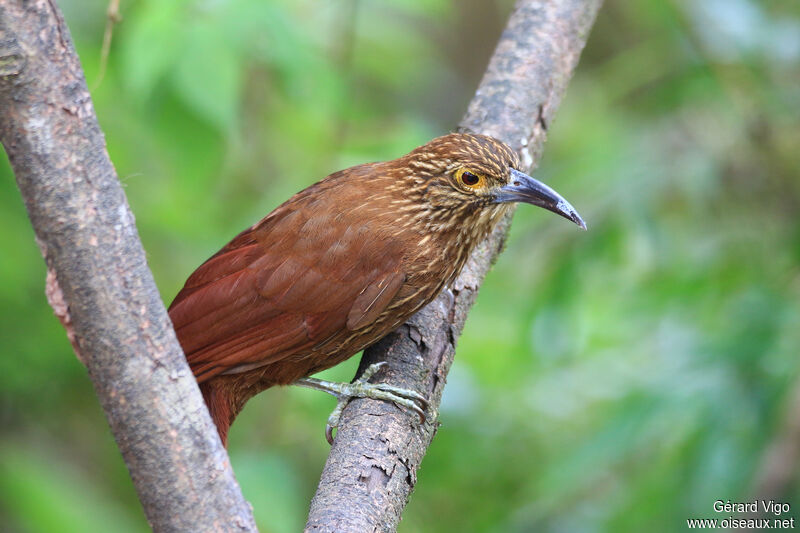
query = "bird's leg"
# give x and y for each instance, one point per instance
(360, 388)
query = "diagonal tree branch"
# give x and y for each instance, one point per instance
(371, 469)
(99, 283)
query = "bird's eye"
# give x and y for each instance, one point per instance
(469, 179)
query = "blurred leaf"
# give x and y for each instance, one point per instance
(271, 486)
(155, 39)
(208, 76)
(41, 494)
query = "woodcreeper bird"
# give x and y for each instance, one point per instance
(341, 264)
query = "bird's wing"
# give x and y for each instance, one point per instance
(284, 286)
(374, 299)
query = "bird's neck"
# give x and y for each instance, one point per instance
(445, 248)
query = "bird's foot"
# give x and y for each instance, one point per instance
(360, 388)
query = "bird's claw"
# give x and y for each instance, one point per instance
(360, 388)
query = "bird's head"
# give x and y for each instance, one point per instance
(479, 175)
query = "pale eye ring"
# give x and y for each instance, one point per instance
(470, 180)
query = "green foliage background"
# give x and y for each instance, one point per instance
(616, 380)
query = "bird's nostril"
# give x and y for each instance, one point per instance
(516, 184)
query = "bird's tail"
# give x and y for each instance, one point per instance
(221, 406)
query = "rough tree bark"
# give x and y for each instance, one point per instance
(99, 283)
(372, 467)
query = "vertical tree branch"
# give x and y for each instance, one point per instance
(372, 466)
(99, 282)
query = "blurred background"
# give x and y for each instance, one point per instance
(621, 379)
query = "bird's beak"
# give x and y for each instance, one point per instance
(523, 188)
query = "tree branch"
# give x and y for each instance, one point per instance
(372, 466)
(99, 282)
